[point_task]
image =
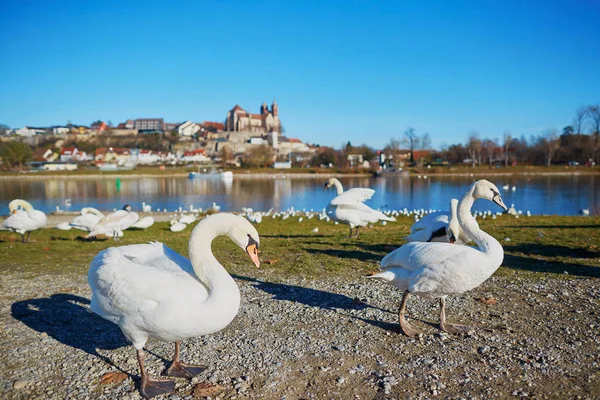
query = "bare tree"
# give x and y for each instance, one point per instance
(393, 148)
(489, 147)
(474, 147)
(550, 143)
(580, 119)
(507, 142)
(594, 115)
(412, 142)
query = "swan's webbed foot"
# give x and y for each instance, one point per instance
(154, 387)
(454, 328)
(182, 370)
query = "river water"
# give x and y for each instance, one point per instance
(547, 194)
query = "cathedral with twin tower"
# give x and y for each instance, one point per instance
(239, 120)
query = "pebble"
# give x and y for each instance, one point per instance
(20, 384)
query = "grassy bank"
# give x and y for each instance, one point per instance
(548, 245)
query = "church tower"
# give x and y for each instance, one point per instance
(264, 109)
(275, 109)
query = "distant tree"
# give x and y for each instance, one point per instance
(393, 149)
(15, 154)
(550, 143)
(367, 152)
(506, 143)
(324, 156)
(489, 147)
(568, 130)
(259, 156)
(226, 155)
(4, 129)
(580, 120)
(474, 147)
(412, 139)
(594, 114)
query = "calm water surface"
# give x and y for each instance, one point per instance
(562, 195)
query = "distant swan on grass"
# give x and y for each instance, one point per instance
(24, 220)
(114, 224)
(86, 221)
(348, 207)
(436, 270)
(151, 291)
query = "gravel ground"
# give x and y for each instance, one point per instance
(326, 338)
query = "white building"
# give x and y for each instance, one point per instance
(188, 128)
(61, 130)
(28, 132)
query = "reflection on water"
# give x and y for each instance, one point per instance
(563, 195)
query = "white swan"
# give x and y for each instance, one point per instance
(143, 223)
(436, 270)
(439, 226)
(114, 224)
(177, 226)
(146, 207)
(187, 218)
(86, 221)
(24, 220)
(151, 291)
(349, 208)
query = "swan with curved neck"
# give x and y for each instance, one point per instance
(24, 221)
(348, 207)
(151, 291)
(114, 224)
(436, 270)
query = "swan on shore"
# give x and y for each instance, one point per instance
(436, 270)
(151, 291)
(114, 224)
(348, 207)
(24, 220)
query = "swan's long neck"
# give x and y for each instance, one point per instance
(206, 267)
(338, 186)
(486, 243)
(24, 205)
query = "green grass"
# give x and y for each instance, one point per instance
(548, 245)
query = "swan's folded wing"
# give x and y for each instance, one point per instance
(353, 196)
(132, 280)
(17, 221)
(416, 255)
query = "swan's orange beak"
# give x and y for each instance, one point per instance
(14, 211)
(252, 251)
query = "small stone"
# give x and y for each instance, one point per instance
(20, 384)
(483, 349)
(340, 380)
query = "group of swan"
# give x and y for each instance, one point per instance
(24, 219)
(348, 207)
(93, 221)
(435, 270)
(151, 291)
(179, 224)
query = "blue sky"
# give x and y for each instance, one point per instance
(340, 70)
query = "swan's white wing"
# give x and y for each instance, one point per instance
(353, 196)
(143, 223)
(21, 221)
(85, 221)
(134, 280)
(429, 220)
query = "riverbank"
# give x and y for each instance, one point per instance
(305, 173)
(311, 326)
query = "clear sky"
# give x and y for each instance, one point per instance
(340, 70)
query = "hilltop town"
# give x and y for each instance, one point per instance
(243, 138)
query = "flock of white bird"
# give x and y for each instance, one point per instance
(151, 291)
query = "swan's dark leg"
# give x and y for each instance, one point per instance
(150, 387)
(28, 235)
(180, 369)
(356, 232)
(446, 326)
(350, 235)
(22, 237)
(406, 328)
